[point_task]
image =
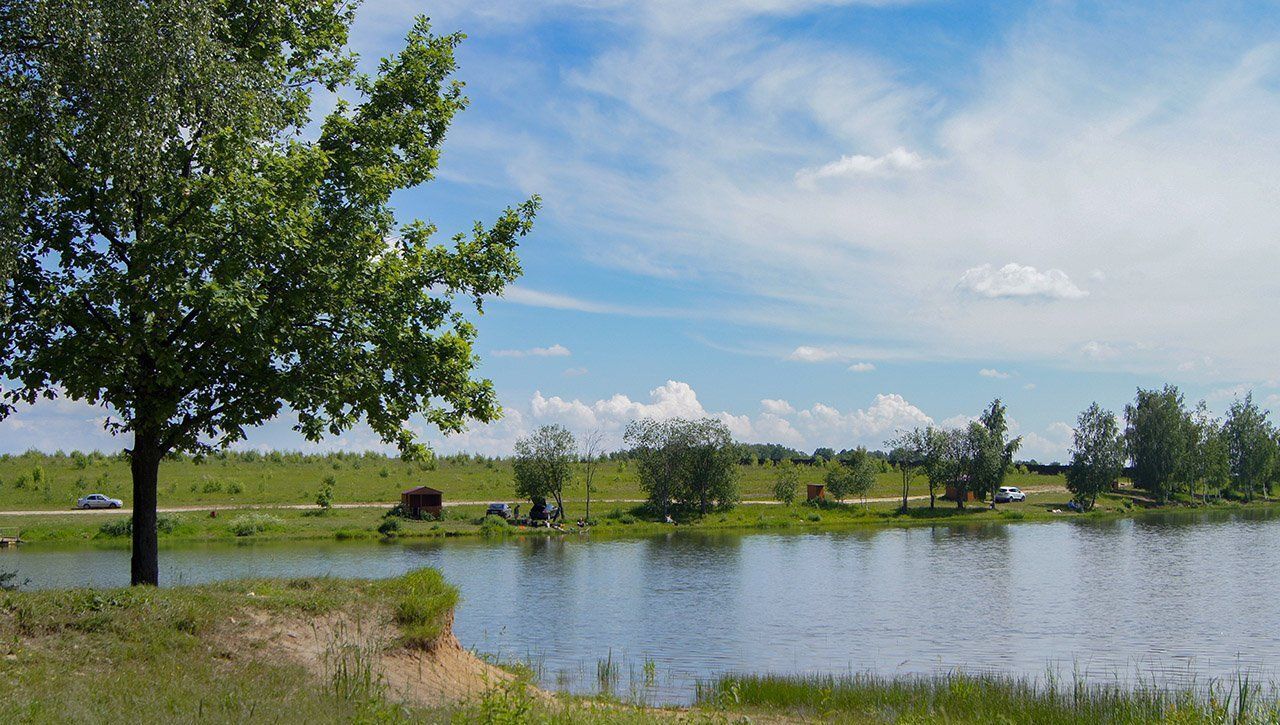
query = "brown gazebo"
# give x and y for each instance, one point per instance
(422, 500)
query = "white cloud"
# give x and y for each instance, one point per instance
(1029, 386)
(1095, 350)
(897, 161)
(574, 372)
(806, 353)
(777, 407)
(556, 350)
(993, 373)
(862, 367)
(1016, 280)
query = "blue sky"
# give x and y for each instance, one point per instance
(823, 221)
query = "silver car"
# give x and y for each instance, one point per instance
(98, 501)
(1010, 493)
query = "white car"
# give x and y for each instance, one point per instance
(1010, 493)
(98, 501)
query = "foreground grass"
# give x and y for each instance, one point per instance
(38, 481)
(965, 698)
(147, 655)
(171, 655)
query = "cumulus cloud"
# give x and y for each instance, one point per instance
(556, 350)
(862, 367)
(993, 373)
(777, 407)
(1017, 280)
(897, 161)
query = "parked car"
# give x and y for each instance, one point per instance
(98, 501)
(500, 509)
(1010, 493)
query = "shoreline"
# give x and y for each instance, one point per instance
(358, 522)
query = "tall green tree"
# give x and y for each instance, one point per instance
(1156, 439)
(1097, 456)
(196, 255)
(711, 465)
(691, 463)
(1251, 449)
(1207, 460)
(543, 464)
(990, 451)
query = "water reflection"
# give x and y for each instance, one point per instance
(1169, 595)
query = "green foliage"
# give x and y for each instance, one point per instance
(1251, 446)
(194, 251)
(544, 464)
(324, 497)
(254, 523)
(786, 484)
(123, 526)
(988, 452)
(1097, 456)
(691, 463)
(1156, 439)
(494, 526)
(389, 527)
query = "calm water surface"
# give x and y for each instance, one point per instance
(1166, 598)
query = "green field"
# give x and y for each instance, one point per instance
(45, 482)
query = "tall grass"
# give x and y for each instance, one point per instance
(424, 604)
(962, 697)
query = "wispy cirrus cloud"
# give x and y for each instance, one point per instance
(556, 350)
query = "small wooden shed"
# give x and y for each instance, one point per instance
(422, 500)
(817, 492)
(953, 494)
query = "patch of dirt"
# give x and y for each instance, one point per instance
(355, 644)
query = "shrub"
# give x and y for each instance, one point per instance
(626, 519)
(389, 527)
(384, 473)
(254, 523)
(494, 526)
(123, 527)
(324, 497)
(396, 511)
(212, 486)
(815, 517)
(234, 488)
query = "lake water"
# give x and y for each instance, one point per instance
(1165, 597)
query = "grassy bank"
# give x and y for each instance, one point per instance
(38, 481)
(337, 651)
(966, 698)
(272, 651)
(611, 520)
(186, 655)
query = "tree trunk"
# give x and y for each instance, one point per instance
(905, 484)
(145, 465)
